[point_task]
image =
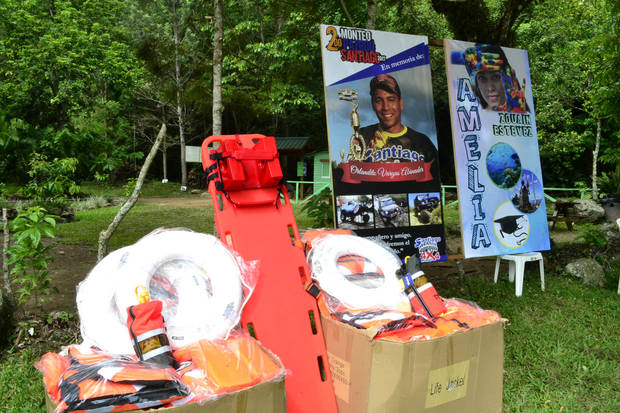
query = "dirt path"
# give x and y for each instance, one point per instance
(73, 262)
(202, 200)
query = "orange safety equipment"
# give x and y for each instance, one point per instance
(422, 295)
(148, 333)
(82, 355)
(313, 235)
(469, 313)
(222, 366)
(238, 165)
(52, 366)
(419, 327)
(253, 215)
(460, 315)
(88, 380)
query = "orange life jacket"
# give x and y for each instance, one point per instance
(459, 315)
(88, 380)
(222, 366)
(148, 333)
(52, 366)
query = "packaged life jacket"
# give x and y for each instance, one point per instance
(52, 366)
(469, 313)
(148, 333)
(222, 366)
(418, 327)
(314, 235)
(422, 295)
(117, 384)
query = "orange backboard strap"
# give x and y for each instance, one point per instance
(253, 215)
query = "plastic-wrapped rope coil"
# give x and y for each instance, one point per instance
(323, 261)
(197, 278)
(101, 325)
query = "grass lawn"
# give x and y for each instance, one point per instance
(150, 188)
(142, 219)
(561, 345)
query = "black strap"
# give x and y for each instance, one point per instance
(218, 156)
(313, 289)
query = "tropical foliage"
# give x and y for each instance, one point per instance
(94, 80)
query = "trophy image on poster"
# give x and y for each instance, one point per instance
(357, 147)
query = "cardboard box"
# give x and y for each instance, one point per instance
(264, 397)
(462, 372)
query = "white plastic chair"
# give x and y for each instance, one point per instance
(516, 266)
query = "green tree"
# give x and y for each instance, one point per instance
(484, 21)
(574, 81)
(68, 72)
(172, 38)
(277, 43)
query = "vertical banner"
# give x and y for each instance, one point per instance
(497, 163)
(382, 139)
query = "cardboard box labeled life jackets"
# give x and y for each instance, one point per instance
(460, 372)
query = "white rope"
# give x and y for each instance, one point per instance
(323, 262)
(203, 289)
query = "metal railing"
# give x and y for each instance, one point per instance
(322, 185)
(582, 193)
(296, 199)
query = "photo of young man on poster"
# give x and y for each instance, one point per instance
(388, 104)
(388, 140)
(382, 138)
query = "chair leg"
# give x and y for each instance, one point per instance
(511, 271)
(542, 274)
(520, 267)
(497, 269)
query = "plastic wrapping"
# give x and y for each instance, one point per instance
(81, 378)
(418, 327)
(350, 269)
(202, 284)
(356, 273)
(469, 312)
(88, 380)
(211, 368)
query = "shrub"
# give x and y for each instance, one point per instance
(609, 184)
(320, 210)
(51, 182)
(28, 257)
(592, 235)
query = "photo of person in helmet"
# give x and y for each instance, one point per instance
(495, 82)
(389, 139)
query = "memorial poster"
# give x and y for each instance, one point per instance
(497, 162)
(382, 139)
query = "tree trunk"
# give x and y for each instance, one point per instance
(104, 236)
(597, 146)
(217, 68)
(371, 13)
(5, 259)
(164, 160)
(346, 12)
(179, 89)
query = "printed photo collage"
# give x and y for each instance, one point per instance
(369, 211)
